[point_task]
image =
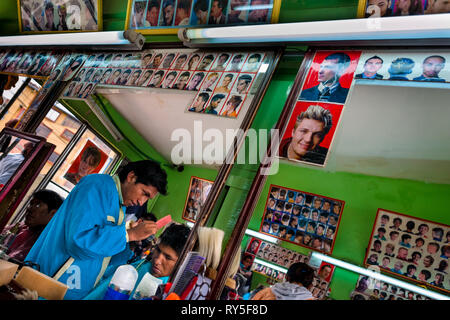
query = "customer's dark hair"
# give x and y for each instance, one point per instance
(301, 273)
(175, 236)
(148, 172)
(50, 198)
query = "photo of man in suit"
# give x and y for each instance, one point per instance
(371, 67)
(330, 71)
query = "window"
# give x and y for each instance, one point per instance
(71, 122)
(53, 157)
(67, 134)
(43, 131)
(52, 115)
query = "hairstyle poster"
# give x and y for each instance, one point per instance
(411, 65)
(412, 248)
(59, 15)
(90, 160)
(399, 8)
(310, 132)
(330, 76)
(368, 288)
(302, 218)
(196, 197)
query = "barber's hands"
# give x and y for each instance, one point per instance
(141, 230)
(264, 294)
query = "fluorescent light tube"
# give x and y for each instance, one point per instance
(261, 236)
(273, 266)
(379, 276)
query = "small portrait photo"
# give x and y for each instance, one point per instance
(311, 227)
(372, 260)
(183, 12)
(200, 11)
(169, 79)
(168, 60)
(296, 210)
(87, 90)
(138, 14)
(333, 220)
(97, 75)
(233, 106)
(115, 62)
(380, 234)
(330, 76)
(330, 232)
(69, 91)
(167, 13)
(145, 78)
(314, 214)
(146, 60)
(371, 67)
(269, 215)
(199, 105)
(320, 118)
(253, 246)
(320, 230)
(182, 80)
(275, 229)
(326, 271)
(194, 82)
(288, 207)
(243, 83)
(236, 62)
(323, 217)
(134, 78)
(222, 61)
(89, 160)
(105, 76)
(180, 61)
(302, 224)
(400, 68)
(280, 206)
(107, 61)
(236, 12)
(218, 12)
(299, 236)
(271, 203)
(293, 223)
(216, 103)
(113, 78)
(260, 13)
(306, 212)
(52, 61)
(152, 14)
(274, 192)
(206, 62)
(210, 81)
(431, 67)
(76, 90)
(193, 61)
(157, 60)
(157, 79)
(123, 78)
(25, 62)
(317, 203)
(253, 62)
(299, 198)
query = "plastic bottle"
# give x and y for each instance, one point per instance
(122, 283)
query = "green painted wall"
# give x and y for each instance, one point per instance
(363, 195)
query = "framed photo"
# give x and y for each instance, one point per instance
(198, 192)
(411, 248)
(59, 15)
(368, 288)
(306, 219)
(89, 160)
(166, 16)
(393, 8)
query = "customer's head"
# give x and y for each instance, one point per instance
(300, 273)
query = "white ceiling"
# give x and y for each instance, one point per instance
(390, 131)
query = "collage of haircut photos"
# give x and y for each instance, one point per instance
(411, 248)
(174, 13)
(222, 79)
(398, 8)
(302, 218)
(30, 63)
(196, 197)
(416, 66)
(368, 288)
(58, 15)
(317, 112)
(285, 258)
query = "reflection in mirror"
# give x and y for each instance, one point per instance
(13, 151)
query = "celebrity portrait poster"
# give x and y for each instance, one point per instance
(298, 142)
(90, 160)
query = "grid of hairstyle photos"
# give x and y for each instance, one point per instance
(285, 258)
(149, 14)
(275, 275)
(368, 288)
(58, 15)
(223, 81)
(302, 218)
(30, 63)
(412, 248)
(196, 197)
(398, 8)
(391, 65)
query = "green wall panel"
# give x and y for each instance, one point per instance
(313, 10)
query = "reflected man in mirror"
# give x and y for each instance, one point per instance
(12, 161)
(90, 159)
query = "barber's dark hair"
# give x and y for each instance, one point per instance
(301, 273)
(175, 236)
(50, 198)
(148, 172)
